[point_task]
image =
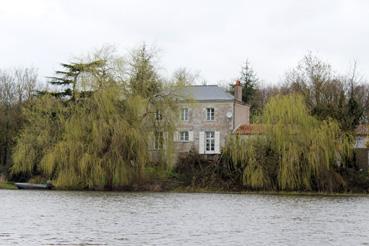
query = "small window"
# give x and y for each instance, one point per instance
(210, 141)
(184, 136)
(159, 140)
(158, 115)
(184, 114)
(210, 114)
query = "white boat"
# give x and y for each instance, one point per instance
(28, 186)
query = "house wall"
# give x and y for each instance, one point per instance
(197, 123)
(360, 141)
(241, 114)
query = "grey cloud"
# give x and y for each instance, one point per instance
(214, 37)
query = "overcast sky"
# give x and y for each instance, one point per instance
(207, 36)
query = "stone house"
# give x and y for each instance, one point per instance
(361, 149)
(210, 116)
(361, 136)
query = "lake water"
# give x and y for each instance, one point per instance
(109, 218)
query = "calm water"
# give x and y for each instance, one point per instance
(98, 218)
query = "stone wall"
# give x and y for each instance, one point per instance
(197, 122)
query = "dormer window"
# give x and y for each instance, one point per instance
(184, 114)
(210, 114)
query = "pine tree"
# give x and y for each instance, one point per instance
(143, 78)
(68, 79)
(249, 82)
(250, 93)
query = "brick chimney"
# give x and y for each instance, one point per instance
(238, 91)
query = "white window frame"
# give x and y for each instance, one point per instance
(158, 140)
(158, 115)
(184, 136)
(184, 114)
(210, 114)
(209, 142)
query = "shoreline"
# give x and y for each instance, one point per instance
(11, 186)
(7, 186)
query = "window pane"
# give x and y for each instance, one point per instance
(184, 136)
(184, 114)
(158, 115)
(210, 113)
(210, 141)
(159, 140)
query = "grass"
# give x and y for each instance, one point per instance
(7, 186)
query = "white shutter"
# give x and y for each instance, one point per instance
(190, 136)
(201, 142)
(217, 143)
(176, 136)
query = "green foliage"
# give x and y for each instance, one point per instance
(250, 90)
(99, 141)
(99, 147)
(249, 82)
(7, 186)
(143, 77)
(296, 152)
(354, 113)
(308, 148)
(69, 77)
(254, 159)
(16, 88)
(44, 125)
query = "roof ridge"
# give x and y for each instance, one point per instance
(201, 85)
(207, 92)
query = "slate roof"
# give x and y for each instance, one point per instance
(206, 93)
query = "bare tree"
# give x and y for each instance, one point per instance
(16, 87)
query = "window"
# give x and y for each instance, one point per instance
(184, 114)
(158, 115)
(210, 114)
(159, 140)
(184, 136)
(209, 141)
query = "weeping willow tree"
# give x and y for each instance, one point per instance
(309, 149)
(162, 109)
(296, 150)
(43, 128)
(102, 140)
(254, 159)
(102, 144)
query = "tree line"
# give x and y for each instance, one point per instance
(328, 94)
(93, 127)
(95, 123)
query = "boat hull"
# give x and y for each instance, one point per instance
(28, 186)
